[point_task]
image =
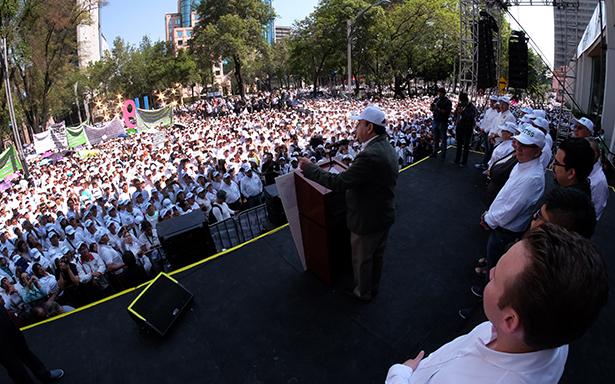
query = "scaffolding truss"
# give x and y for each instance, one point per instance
(469, 15)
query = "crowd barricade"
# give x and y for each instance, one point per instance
(245, 226)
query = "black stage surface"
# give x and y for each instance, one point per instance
(258, 318)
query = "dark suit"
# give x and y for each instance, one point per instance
(15, 354)
(370, 201)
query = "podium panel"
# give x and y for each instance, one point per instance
(322, 214)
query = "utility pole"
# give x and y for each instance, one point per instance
(9, 102)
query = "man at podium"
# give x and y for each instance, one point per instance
(369, 184)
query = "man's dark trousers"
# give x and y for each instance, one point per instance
(439, 129)
(15, 355)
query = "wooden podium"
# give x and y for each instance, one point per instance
(322, 215)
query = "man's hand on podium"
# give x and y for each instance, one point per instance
(304, 162)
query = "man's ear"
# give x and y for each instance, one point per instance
(511, 323)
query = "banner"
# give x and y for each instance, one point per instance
(58, 136)
(113, 129)
(9, 162)
(43, 142)
(147, 119)
(76, 136)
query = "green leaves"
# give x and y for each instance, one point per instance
(231, 29)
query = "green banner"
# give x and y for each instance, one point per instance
(76, 136)
(9, 162)
(147, 119)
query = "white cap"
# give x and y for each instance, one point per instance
(542, 123)
(69, 230)
(509, 126)
(531, 136)
(505, 99)
(539, 113)
(372, 114)
(493, 98)
(587, 123)
(527, 110)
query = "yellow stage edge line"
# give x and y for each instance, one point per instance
(146, 283)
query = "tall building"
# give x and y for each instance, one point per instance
(269, 29)
(179, 25)
(570, 24)
(90, 42)
(281, 33)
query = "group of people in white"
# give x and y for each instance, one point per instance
(81, 228)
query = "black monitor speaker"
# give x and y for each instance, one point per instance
(160, 304)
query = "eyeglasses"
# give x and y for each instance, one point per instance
(538, 215)
(558, 164)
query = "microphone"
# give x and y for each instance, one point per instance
(339, 143)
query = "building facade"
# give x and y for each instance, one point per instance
(179, 26)
(281, 33)
(569, 26)
(269, 28)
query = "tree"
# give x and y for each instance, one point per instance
(43, 49)
(231, 29)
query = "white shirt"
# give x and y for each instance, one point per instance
(600, 188)
(251, 186)
(500, 152)
(513, 207)
(468, 360)
(546, 155)
(488, 121)
(232, 191)
(110, 256)
(221, 211)
(88, 268)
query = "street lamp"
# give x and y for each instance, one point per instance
(349, 24)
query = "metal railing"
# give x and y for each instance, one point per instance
(241, 228)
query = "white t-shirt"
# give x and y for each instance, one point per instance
(468, 360)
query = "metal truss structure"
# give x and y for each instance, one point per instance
(469, 15)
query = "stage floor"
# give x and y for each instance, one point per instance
(258, 318)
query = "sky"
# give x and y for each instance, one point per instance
(131, 19)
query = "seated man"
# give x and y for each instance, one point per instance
(531, 322)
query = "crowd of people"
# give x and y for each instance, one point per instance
(81, 228)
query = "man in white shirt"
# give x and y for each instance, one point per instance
(598, 183)
(233, 195)
(510, 213)
(487, 125)
(219, 209)
(526, 339)
(505, 148)
(251, 188)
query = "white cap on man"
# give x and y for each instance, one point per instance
(541, 123)
(505, 99)
(371, 114)
(509, 126)
(529, 135)
(587, 123)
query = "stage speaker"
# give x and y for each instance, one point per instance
(160, 304)
(486, 76)
(274, 205)
(186, 239)
(517, 60)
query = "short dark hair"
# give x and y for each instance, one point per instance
(560, 292)
(578, 155)
(572, 209)
(379, 129)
